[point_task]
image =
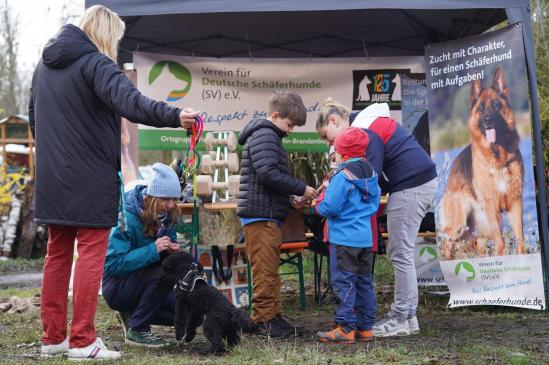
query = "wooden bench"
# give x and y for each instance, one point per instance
(293, 252)
(420, 234)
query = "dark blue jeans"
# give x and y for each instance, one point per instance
(138, 295)
(351, 270)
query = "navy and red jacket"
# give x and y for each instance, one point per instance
(397, 157)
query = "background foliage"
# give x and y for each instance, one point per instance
(540, 24)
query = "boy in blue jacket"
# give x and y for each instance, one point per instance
(352, 197)
(132, 272)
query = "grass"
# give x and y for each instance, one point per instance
(18, 265)
(21, 293)
(475, 335)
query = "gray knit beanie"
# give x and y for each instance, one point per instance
(164, 182)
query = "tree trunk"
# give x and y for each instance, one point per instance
(27, 237)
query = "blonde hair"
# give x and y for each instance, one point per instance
(149, 216)
(105, 29)
(330, 107)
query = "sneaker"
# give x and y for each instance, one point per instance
(123, 318)
(340, 334)
(55, 350)
(364, 335)
(144, 339)
(95, 351)
(414, 325)
(391, 325)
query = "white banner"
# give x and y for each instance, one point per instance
(503, 280)
(231, 92)
(427, 266)
(480, 134)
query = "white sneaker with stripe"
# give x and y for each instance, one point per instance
(95, 351)
(55, 350)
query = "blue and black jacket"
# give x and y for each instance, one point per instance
(352, 197)
(394, 152)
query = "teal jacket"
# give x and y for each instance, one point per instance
(130, 249)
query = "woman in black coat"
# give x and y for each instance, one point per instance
(77, 98)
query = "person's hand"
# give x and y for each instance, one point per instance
(323, 187)
(298, 202)
(163, 244)
(310, 193)
(174, 247)
(186, 117)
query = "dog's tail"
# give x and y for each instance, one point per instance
(243, 322)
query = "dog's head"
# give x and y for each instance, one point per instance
(492, 121)
(175, 267)
(178, 264)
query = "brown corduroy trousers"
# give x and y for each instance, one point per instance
(263, 241)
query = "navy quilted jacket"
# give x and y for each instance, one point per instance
(77, 98)
(265, 181)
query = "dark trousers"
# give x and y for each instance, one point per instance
(138, 294)
(351, 271)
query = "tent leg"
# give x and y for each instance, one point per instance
(524, 15)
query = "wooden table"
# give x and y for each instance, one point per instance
(187, 208)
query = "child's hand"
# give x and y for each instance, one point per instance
(323, 187)
(310, 193)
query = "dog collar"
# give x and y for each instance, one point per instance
(188, 282)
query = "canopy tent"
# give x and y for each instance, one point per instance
(300, 28)
(322, 28)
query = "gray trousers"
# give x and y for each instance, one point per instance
(405, 211)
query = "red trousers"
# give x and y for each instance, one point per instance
(92, 247)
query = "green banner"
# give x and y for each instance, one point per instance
(177, 140)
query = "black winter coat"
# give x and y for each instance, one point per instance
(77, 98)
(265, 181)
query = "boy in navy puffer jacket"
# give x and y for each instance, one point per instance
(264, 202)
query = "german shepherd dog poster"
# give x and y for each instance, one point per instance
(485, 180)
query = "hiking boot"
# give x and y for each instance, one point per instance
(340, 334)
(144, 339)
(364, 335)
(391, 325)
(123, 318)
(276, 328)
(413, 324)
(294, 330)
(55, 350)
(95, 351)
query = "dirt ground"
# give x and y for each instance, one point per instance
(457, 336)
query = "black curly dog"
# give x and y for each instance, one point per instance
(198, 303)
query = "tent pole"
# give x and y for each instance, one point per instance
(538, 144)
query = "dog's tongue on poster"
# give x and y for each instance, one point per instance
(491, 135)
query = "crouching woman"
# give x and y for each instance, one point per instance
(145, 231)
